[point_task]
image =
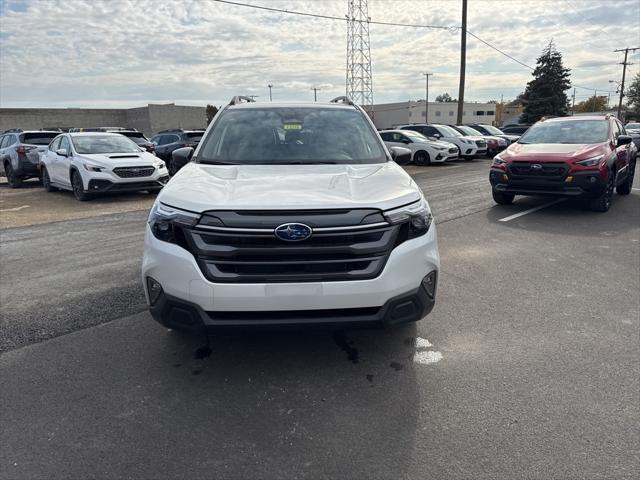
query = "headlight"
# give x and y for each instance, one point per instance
(498, 161)
(418, 215)
(591, 162)
(160, 165)
(166, 222)
(92, 168)
(439, 148)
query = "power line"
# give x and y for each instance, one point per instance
(332, 17)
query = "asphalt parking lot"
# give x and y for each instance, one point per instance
(529, 362)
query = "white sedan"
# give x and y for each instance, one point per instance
(423, 150)
(95, 162)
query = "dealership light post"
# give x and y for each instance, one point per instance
(426, 97)
(270, 97)
(315, 93)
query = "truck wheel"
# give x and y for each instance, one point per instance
(422, 158)
(603, 202)
(502, 198)
(46, 181)
(78, 188)
(13, 179)
(625, 188)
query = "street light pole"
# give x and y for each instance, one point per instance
(315, 93)
(426, 97)
(270, 97)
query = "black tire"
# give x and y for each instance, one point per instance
(78, 188)
(625, 188)
(502, 198)
(603, 202)
(13, 180)
(46, 181)
(421, 158)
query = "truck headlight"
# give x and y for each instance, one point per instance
(166, 222)
(417, 214)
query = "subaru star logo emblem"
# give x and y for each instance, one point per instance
(293, 232)
(536, 166)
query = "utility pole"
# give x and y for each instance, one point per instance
(624, 72)
(315, 93)
(573, 103)
(270, 97)
(426, 97)
(463, 60)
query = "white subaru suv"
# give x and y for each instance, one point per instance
(290, 214)
(88, 163)
(423, 150)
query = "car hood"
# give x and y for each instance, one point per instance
(550, 152)
(112, 160)
(199, 187)
(440, 143)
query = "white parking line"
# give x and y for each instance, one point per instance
(531, 210)
(14, 209)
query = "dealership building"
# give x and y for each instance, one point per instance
(149, 119)
(388, 115)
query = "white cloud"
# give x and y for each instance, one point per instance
(131, 52)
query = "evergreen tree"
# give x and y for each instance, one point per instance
(211, 111)
(633, 94)
(545, 94)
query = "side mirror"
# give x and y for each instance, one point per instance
(406, 141)
(182, 155)
(437, 135)
(401, 155)
(63, 151)
(624, 140)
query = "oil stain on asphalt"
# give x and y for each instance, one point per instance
(347, 346)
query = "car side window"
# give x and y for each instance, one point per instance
(64, 143)
(616, 130)
(386, 137)
(621, 128)
(172, 138)
(2, 140)
(402, 138)
(430, 131)
(7, 141)
(53, 146)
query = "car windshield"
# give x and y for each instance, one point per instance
(87, 144)
(567, 131)
(415, 136)
(633, 126)
(137, 137)
(290, 135)
(448, 131)
(469, 130)
(493, 130)
(39, 138)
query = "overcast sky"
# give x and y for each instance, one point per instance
(122, 53)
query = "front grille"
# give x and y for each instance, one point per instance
(551, 170)
(133, 172)
(481, 143)
(249, 251)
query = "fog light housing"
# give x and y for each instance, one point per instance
(568, 180)
(505, 177)
(154, 289)
(429, 283)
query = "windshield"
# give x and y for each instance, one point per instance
(289, 135)
(137, 137)
(469, 130)
(88, 144)
(448, 131)
(493, 130)
(195, 136)
(632, 126)
(567, 131)
(39, 138)
(415, 136)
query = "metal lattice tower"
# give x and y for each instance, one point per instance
(359, 84)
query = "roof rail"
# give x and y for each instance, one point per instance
(342, 99)
(240, 99)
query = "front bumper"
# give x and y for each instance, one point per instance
(356, 301)
(102, 185)
(589, 184)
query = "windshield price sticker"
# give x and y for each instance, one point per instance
(292, 126)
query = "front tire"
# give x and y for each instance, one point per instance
(625, 188)
(422, 158)
(603, 202)
(13, 179)
(46, 181)
(78, 188)
(502, 198)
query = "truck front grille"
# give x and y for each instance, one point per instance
(249, 251)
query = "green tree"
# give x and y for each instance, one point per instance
(592, 104)
(211, 112)
(445, 97)
(633, 94)
(546, 93)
